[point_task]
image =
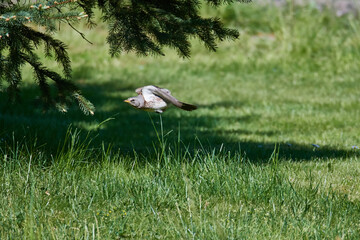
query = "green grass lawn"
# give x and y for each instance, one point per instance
(242, 166)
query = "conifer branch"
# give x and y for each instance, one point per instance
(80, 33)
(141, 26)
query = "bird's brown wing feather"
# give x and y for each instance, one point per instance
(169, 98)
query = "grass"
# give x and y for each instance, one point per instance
(242, 166)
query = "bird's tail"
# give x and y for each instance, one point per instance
(188, 107)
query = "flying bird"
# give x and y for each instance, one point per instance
(155, 99)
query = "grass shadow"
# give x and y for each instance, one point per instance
(128, 129)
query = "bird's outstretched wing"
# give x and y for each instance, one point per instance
(167, 97)
(139, 90)
(165, 90)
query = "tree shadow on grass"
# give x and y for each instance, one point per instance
(130, 130)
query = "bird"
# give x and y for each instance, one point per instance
(155, 99)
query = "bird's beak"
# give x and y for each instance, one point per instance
(127, 101)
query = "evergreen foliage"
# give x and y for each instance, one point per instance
(141, 26)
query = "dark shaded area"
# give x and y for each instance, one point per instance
(131, 129)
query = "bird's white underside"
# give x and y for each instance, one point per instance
(149, 97)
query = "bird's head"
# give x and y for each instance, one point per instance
(133, 101)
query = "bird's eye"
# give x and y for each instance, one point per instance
(132, 100)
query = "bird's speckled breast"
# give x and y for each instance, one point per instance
(155, 103)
